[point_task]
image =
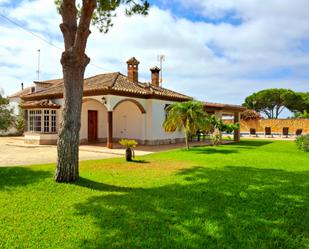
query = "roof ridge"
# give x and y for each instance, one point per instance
(100, 75)
(61, 83)
(166, 89)
(116, 78)
(48, 81)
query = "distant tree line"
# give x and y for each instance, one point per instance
(271, 102)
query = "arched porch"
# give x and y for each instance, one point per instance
(93, 121)
(111, 118)
(126, 120)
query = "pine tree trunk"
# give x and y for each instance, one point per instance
(74, 62)
(68, 136)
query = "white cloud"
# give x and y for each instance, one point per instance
(216, 62)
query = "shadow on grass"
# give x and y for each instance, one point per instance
(251, 143)
(233, 207)
(229, 148)
(86, 183)
(139, 161)
(20, 176)
(213, 150)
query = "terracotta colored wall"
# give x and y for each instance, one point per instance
(275, 124)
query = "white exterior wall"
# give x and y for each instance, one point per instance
(128, 122)
(156, 118)
(93, 105)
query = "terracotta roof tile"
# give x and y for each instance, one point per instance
(111, 83)
(223, 106)
(44, 103)
(21, 93)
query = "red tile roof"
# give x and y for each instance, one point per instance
(44, 103)
(110, 83)
(21, 93)
(220, 106)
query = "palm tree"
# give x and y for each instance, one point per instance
(188, 117)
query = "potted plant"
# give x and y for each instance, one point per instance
(128, 145)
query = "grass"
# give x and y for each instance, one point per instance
(254, 194)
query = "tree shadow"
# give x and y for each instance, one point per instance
(251, 143)
(213, 150)
(139, 161)
(86, 183)
(20, 176)
(231, 207)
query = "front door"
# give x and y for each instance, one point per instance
(92, 126)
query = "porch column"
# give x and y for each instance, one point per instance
(110, 129)
(144, 128)
(236, 132)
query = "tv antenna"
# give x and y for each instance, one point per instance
(39, 62)
(161, 58)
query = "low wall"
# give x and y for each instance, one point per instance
(275, 124)
(40, 138)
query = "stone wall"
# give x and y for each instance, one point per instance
(275, 124)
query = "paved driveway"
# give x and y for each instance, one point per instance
(14, 152)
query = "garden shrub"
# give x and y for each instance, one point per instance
(127, 143)
(302, 143)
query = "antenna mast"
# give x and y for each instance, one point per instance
(161, 58)
(39, 62)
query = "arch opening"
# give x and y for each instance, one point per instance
(128, 120)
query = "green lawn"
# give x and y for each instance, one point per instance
(254, 194)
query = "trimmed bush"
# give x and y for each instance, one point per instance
(127, 143)
(302, 143)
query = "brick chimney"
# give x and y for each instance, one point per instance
(155, 77)
(133, 69)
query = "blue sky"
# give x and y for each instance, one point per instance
(216, 50)
(190, 12)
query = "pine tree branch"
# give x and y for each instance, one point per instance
(83, 30)
(68, 26)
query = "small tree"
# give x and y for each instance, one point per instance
(188, 117)
(6, 114)
(20, 121)
(129, 145)
(219, 126)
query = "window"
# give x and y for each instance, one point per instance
(53, 116)
(42, 121)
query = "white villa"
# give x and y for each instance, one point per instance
(114, 106)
